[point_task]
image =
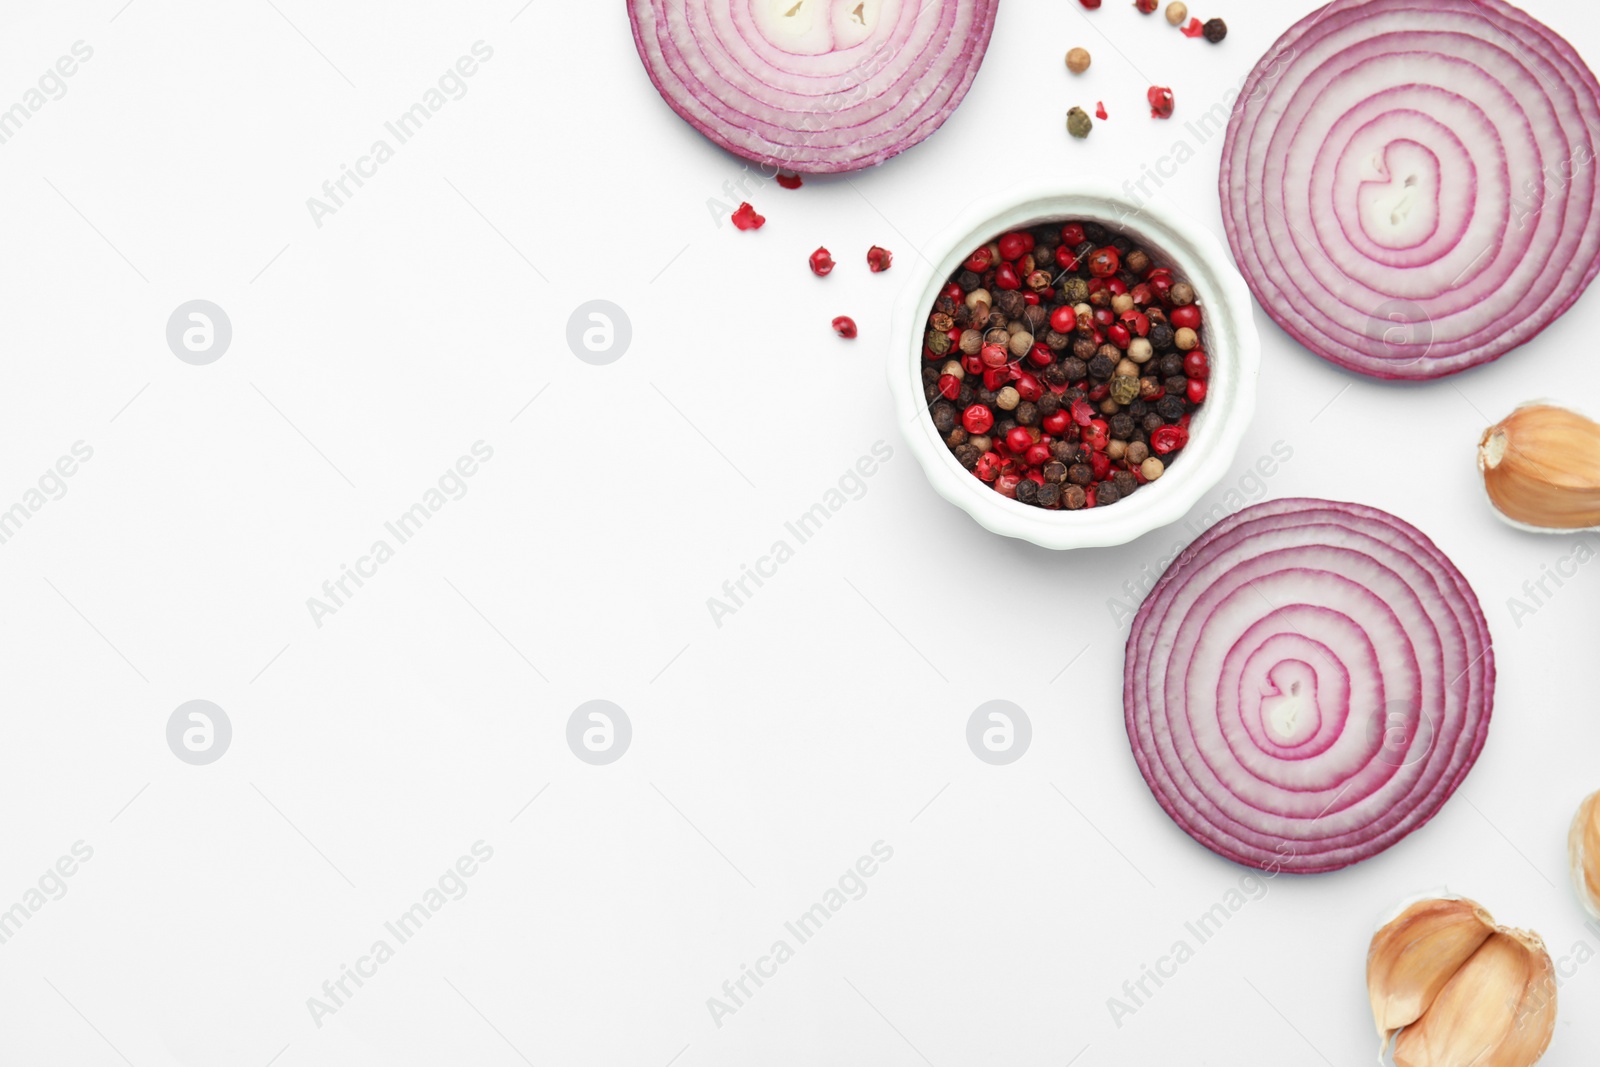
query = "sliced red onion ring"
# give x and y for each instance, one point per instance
(814, 86)
(1307, 684)
(1409, 185)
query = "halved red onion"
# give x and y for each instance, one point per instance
(1307, 684)
(1409, 185)
(814, 86)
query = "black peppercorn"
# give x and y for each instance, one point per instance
(1100, 298)
(1153, 422)
(1171, 365)
(1075, 367)
(1106, 494)
(1121, 244)
(957, 438)
(944, 418)
(1035, 316)
(967, 455)
(930, 374)
(987, 398)
(1055, 374)
(1027, 414)
(1100, 367)
(1049, 496)
(1073, 497)
(997, 319)
(1095, 232)
(1004, 426)
(967, 397)
(1175, 385)
(1056, 342)
(1170, 408)
(1215, 30)
(968, 280)
(1055, 471)
(1121, 426)
(1138, 262)
(1083, 349)
(1064, 451)
(1011, 302)
(1080, 474)
(1161, 336)
(1048, 405)
(1138, 410)
(1126, 483)
(1027, 491)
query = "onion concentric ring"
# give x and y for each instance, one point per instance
(814, 86)
(1307, 684)
(1409, 186)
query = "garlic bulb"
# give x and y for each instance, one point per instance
(1541, 467)
(1450, 988)
(1583, 845)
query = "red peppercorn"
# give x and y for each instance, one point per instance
(995, 355)
(1137, 321)
(1100, 464)
(980, 261)
(1116, 286)
(1019, 440)
(1097, 434)
(977, 419)
(1065, 259)
(953, 291)
(1104, 316)
(1040, 355)
(1100, 110)
(1030, 298)
(1186, 316)
(1035, 477)
(1037, 455)
(1168, 439)
(745, 218)
(1005, 277)
(1196, 391)
(1006, 485)
(1014, 245)
(1141, 294)
(1028, 386)
(821, 263)
(1119, 335)
(949, 386)
(1056, 424)
(879, 259)
(1082, 413)
(1194, 29)
(1104, 262)
(1146, 6)
(1088, 497)
(1072, 234)
(1161, 288)
(790, 181)
(844, 326)
(1092, 5)
(995, 377)
(1196, 365)
(988, 466)
(1063, 319)
(1160, 102)
(972, 364)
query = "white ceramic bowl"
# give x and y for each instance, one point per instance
(1232, 343)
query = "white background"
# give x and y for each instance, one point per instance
(768, 754)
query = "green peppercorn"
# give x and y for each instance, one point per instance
(938, 342)
(1074, 291)
(1078, 123)
(1125, 390)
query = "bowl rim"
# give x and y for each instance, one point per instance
(1220, 427)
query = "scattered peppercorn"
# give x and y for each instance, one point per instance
(1092, 5)
(1078, 60)
(878, 259)
(821, 263)
(789, 181)
(1161, 102)
(1059, 395)
(1216, 30)
(1078, 123)
(1100, 110)
(1146, 7)
(745, 218)
(1194, 29)
(844, 326)
(1177, 12)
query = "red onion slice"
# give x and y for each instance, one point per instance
(814, 86)
(1307, 684)
(1409, 185)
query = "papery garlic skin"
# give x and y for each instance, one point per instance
(1541, 469)
(1449, 988)
(1583, 847)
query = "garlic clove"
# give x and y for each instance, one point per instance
(1583, 846)
(1498, 1010)
(1415, 956)
(1541, 468)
